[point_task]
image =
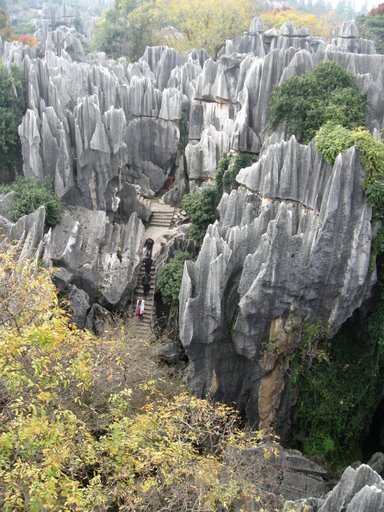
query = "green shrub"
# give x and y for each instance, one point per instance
(227, 170)
(375, 195)
(331, 139)
(222, 167)
(345, 382)
(201, 208)
(301, 104)
(30, 195)
(372, 27)
(201, 205)
(377, 247)
(170, 277)
(371, 155)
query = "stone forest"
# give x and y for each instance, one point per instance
(237, 363)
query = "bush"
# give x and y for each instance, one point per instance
(30, 195)
(331, 139)
(301, 104)
(201, 208)
(345, 382)
(227, 170)
(371, 155)
(170, 277)
(83, 427)
(375, 195)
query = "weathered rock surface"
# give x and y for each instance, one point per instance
(103, 257)
(98, 320)
(286, 474)
(79, 303)
(291, 249)
(358, 490)
(6, 203)
(89, 116)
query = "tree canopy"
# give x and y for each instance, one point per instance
(317, 25)
(302, 104)
(131, 25)
(30, 195)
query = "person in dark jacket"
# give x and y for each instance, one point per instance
(148, 264)
(146, 282)
(148, 246)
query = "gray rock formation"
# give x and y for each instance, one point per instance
(104, 257)
(89, 116)
(286, 474)
(358, 490)
(98, 320)
(291, 249)
(346, 38)
(6, 203)
(79, 303)
(28, 233)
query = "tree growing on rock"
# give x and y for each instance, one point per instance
(302, 104)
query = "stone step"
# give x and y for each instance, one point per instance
(160, 219)
(162, 223)
(155, 218)
(162, 208)
(140, 289)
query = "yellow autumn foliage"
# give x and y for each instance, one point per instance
(94, 424)
(321, 26)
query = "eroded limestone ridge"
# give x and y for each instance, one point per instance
(292, 245)
(291, 249)
(92, 121)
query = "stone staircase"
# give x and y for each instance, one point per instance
(143, 327)
(157, 227)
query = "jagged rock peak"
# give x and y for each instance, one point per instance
(291, 248)
(257, 26)
(358, 490)
(346, 38)
(347, 29)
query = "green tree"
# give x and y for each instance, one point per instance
(129, 26)
(30, 195)
(170, 277)
(201, 208)
(331, 139)
(346, 383)
(112, 34)
(303, 103)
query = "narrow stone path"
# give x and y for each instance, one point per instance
(157, 227)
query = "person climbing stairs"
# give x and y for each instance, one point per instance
(158, 226)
